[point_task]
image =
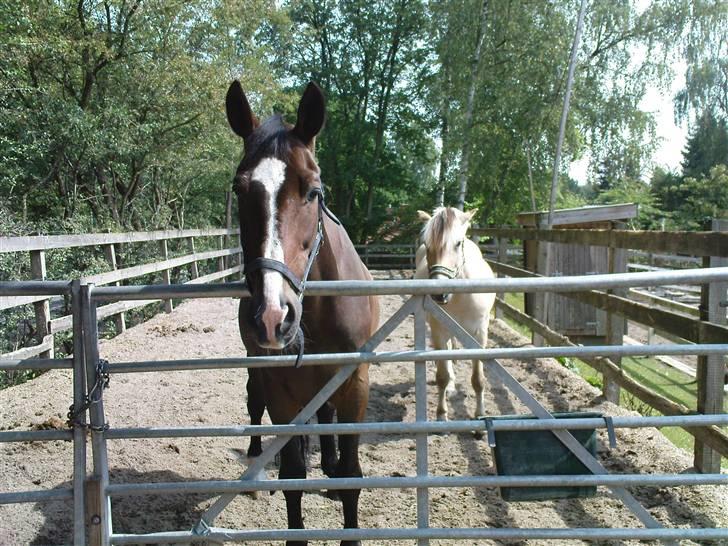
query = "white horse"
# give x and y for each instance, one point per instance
(446, 253)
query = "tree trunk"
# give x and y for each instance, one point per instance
(468, 121)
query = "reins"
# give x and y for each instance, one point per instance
(299, 285)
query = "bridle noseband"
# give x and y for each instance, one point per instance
(299, 285)
(449, 272)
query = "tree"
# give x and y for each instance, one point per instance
(371, 59)
(706, 147)
(114, 110)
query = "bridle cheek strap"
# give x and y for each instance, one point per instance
(298, 285)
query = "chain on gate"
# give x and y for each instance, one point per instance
(93, 397)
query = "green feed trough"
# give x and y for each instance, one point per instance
(539, 452)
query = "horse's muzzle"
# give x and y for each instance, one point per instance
(442, 299)
(276, 327)
(441, 273)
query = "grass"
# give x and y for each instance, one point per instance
(650, 372)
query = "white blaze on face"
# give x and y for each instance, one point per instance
(271, 173)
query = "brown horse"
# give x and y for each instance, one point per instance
(283, 226)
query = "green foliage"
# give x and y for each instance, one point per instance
(114, 110)
(701, 192)
(706, 147)
(113, 114)
(706, 198)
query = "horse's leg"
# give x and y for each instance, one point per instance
(445, 377)
(477, 379)
(256, 407)
(349, 467)
(325, 415)
(293, 466)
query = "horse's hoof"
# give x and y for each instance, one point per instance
(296, 543)
(255, 495)
(351, 543)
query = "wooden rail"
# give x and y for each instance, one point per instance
(48, 242)
(711, 436)
(691, 243)
(38, 245)
(707, 324)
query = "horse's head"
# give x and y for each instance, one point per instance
(278, 188)
(444, 239)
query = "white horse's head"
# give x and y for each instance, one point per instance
(444, 239)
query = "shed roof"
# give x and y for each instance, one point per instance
(581, 215)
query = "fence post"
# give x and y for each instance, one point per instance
(78, 420)
(711, 369)
(119, 320)
(221, 259)
(501, 243)
(228, 224)
(422, 468)
(540, 299)
(164, 251)
(616, 263)
(42, 308)
(194, 270)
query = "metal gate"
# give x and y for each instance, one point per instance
(91, 374)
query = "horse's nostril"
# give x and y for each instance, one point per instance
(290, 316)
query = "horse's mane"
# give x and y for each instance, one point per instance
(439, 226)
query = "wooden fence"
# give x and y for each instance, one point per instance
(228, 263)
(707, 325)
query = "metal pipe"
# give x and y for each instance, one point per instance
(78, 420)
(35, 288)
(564, 436)
(410, 356)
(307, 413)
(216, 534)
(36, 496)
(421, 454)
(421, 287)
(35, 436)
(411, 482)
(429, 427)
(96, 410)
(36, 364)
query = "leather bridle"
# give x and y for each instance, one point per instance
(449, 272)
(299, 285)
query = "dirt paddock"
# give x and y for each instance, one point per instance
(208, 328)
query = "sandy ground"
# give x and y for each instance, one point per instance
(208, 328)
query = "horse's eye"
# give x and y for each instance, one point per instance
(312, 194)
(459, 244)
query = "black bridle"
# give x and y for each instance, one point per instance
(299, 285)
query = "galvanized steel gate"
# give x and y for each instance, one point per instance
(91, 374)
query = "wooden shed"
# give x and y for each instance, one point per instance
(577, 320)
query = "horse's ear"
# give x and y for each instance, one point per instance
(422, 215)
(469, 215)
(240, 116)
(311, 114)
